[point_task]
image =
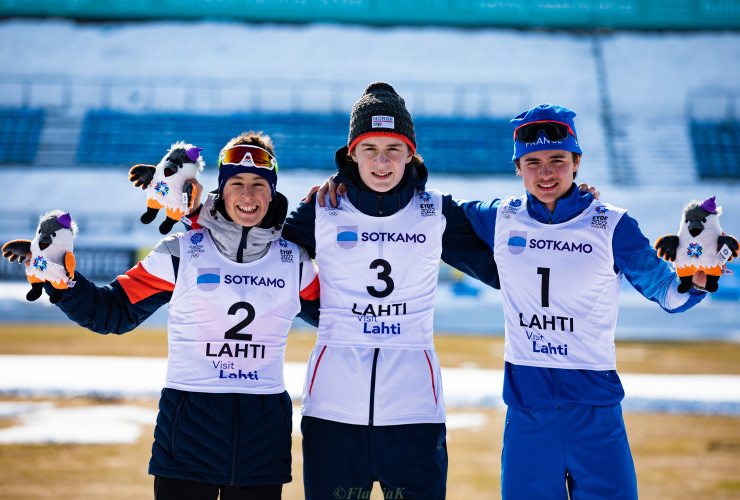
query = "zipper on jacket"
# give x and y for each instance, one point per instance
(380, 204)
(372, 386)
(242, 245)
(234, 439)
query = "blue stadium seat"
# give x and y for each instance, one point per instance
(20, 129)
(302, 140)
(716, 148)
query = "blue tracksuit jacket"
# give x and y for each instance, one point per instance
(533, 388)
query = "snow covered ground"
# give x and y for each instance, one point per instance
(131, 378)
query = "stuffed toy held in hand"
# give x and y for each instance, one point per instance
(51, 255)
(165, 184)
(696, 246)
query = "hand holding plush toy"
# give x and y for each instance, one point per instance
(52, 259)
(166, 185)
(695, 246)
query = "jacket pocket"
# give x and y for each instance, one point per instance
(286, 408)
(178, 411)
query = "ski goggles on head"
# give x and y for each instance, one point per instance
(554, 131)
(248, 155)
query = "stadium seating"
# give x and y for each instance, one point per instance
(716, 148)
(302, 140)
(20, 129)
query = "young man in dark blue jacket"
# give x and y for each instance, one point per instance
(233, 286)
(561, 257)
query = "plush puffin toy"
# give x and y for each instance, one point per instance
(165, 184)
(696, 246)
(51, 255)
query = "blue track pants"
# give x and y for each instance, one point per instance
(581, 448)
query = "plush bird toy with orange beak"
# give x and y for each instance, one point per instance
(700, 245)
(52, 259)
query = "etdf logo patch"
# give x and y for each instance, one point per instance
(208, 278)
(347, 236)
(517, 241)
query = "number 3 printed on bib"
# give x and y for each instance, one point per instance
(385, 276)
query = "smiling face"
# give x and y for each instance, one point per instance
(381, 161)
(247, 198)
(548, 174)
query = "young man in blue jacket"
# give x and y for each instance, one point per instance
(561, 257)
(233, 286)
(373, 407)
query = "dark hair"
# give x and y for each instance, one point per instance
(254, 138)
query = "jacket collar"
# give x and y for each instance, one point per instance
(371, 202)
(239, 243)
(569, 206)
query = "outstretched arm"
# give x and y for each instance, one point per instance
(651, 276)
(129, 299)
(107, 309)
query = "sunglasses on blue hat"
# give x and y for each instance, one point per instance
(248, 155)
(554, 131)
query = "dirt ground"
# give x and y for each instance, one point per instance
(677, 456)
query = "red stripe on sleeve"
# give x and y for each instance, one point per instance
(139, 284)
(311, 292)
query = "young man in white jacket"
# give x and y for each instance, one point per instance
(373, 405)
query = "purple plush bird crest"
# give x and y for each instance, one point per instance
(65, 220)
(709, 205)
(194, 152)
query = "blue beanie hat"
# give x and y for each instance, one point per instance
(546, 113)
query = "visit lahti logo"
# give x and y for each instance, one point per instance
(517, 241)
(347, 236)
(208, 278)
